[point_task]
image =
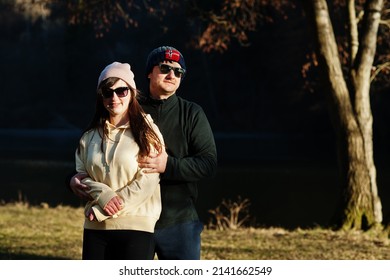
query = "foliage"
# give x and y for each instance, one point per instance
(105, 13)
(216, 26)
(236, 20)
(219, 22)
(28, 232)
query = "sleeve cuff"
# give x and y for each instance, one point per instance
(105, 197)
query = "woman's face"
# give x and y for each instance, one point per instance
(117, 106)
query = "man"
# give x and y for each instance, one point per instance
(189, 157)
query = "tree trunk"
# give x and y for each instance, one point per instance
(360, 77)
(352, 144)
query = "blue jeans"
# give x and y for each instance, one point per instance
(179, 242)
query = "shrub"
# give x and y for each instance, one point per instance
(230, 215)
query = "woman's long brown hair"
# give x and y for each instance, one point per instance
(143, 133)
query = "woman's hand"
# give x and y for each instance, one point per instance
(113, 206)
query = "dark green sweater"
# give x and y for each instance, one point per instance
(192, 155)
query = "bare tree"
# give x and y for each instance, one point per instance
(349, 90)
(351, 109)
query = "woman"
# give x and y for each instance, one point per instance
(126, 201)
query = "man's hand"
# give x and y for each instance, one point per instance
(154, 163)
(113, 206)
(78, 188)
(90, 215)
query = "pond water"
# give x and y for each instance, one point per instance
(289, 196)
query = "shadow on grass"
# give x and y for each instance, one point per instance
(22, 256)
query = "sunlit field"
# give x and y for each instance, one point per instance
(41, 232)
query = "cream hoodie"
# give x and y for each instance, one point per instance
(115, 172)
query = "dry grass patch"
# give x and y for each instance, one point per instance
(40, 232)
(56, 233)
(280, 244)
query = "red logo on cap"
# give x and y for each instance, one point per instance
(172, 55)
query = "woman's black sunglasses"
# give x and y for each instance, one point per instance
(120, 92)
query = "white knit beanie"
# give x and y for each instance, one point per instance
(118, 70)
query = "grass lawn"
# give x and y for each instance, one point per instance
(56, 233)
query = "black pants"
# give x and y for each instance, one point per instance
(117, 245)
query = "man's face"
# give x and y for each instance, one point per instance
(162, 85)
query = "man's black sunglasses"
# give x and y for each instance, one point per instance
(165, 69)
(120, 92)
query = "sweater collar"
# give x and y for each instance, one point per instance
(110, 127)
(170, 100)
